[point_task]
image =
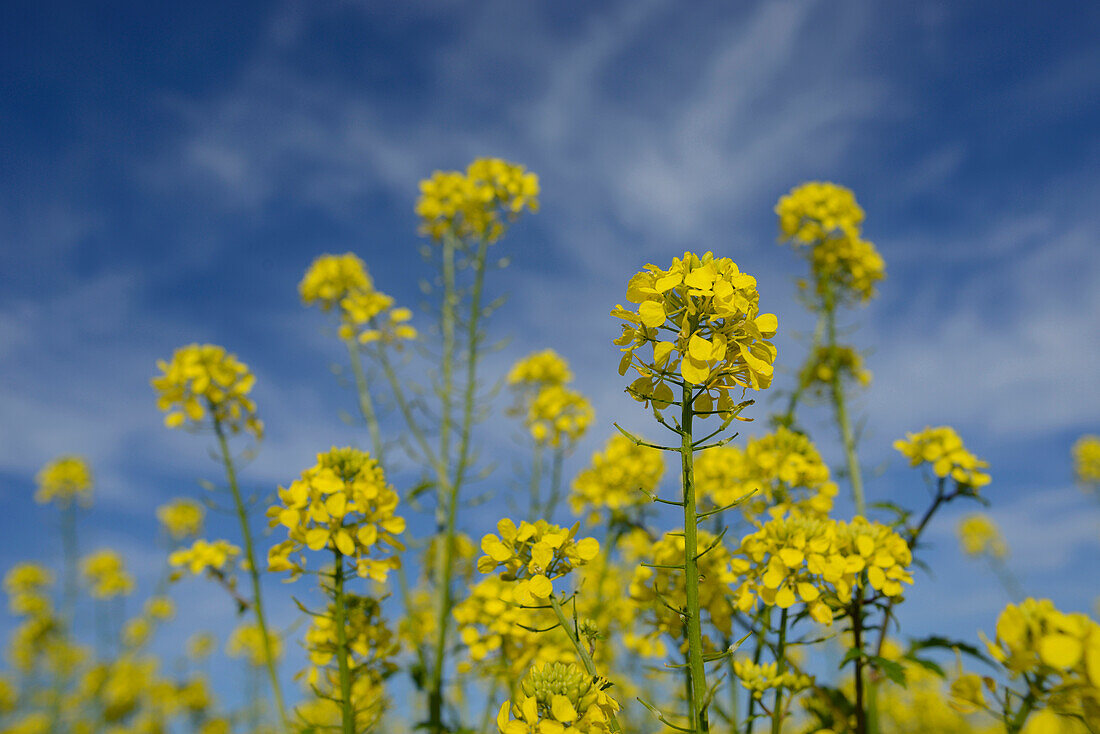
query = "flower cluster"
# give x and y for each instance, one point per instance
(818, 562)
(944, 450)
(181, 518)
(534, 555)
(342, 503)
(26, 585)
(784, 468)
(342, 283)
(64, 479)
(849, 266)
(202, 555)
(716, 338)
(761, 677)
(204, 380)
(540, 369)
(980, 536)
(1086, 459)
(247, 641)
(558, 698)
(825, 363)
(555, 414)
(476, 204)
(621, 476)
(106, 574)
(818, 210)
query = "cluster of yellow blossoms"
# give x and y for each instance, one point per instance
(784, 469)
(540, 368)
(944, 450)
(555, 414)
(826, 362)
(202, 555)
(1086, 459)
(534, 555)
(558, 698)
(717, 338)
(818, 561)
(247, 642)
(476, 204)
(204, 380)
(827, 218)
(759, 678)
(106, 574)
(63, 480)
(342, 503)
(342, 283)
(181, 518)
(618, 478)
(980, 536)
(26, 585)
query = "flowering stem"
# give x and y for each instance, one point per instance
(846, 436)
(787, 419)
(555, 484)
(857, 640)
(582, 651)
(253, 570)
(366, 405)
(693, 624)
(340, 619)
(781, 667)
(765, 619)
(536, 477)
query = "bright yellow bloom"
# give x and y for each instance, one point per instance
(763, 677)
(618, 478)
(944, 450)
(342, 503)
(817, 210)
(366, 315)
(980, 536)
(106, 573)
(332, 278)
(539, 369)
(26, 585)
(181, 518)
(324, 712)
(534, 555)
(966, 693)
(827, 362)
(63, 479)
(847, 266)
(204, 381)
(1086, 459)
(699, 321)
(476, 204)
(247, 641)
(558, 698)
(202, 555)
(559, 415)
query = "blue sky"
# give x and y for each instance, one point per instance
(168, 172)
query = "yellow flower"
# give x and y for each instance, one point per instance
(540, 369)
(476, 204)
(979, 536)
(618, 478)
(816, 210)
(698, 324)
(63, 479)
(534, 555)
(106, 573)
(558, 415)
(366, 315)
(944, 450)
(759, 678)
(849, 266)
(558, 698)
(26, 585)
(205, 381)
(966, 693)
(826, 362)
(203, 555)
(247, 641)
(181, 518)
(343, 503)
(331, 278)
(1086, 459)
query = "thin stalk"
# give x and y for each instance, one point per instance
(555, 484)
(693, 623)
(857, 638)
(398, 393)
(781, 667)
(366, 405)
(536, 480)
(490, 709)
(787, 419)
(734, 699)
(71, 554)
(839, 403)
(340, 619)
(582, 651)
(253, 570)
(765, 618)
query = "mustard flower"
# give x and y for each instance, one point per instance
(200, 645)
(759, 678)
(540, 369)
(697, 324)
(371, 644)
(1086, 459)
(826, 362)
(850, 267)
(247, 641)
(324, 712)
(203, 555)
(534, 555)
(9, 695)
(559, 416)
(980, 536)
(181, 518)
(106, 573)
(64, 479)
(944, 450)
(478, 203)
(204, 381)
(342, 283)
(26, 585)
(619, 477)
(817, 210)
(332, 278)
(343, 503)
(558, 698)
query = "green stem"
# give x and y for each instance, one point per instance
(857, 640)
(536, 480)
(787, 419)
(693, 623)
(555, 484)
(366, 405)
(765, 619)
(582, 651)
(781, 667)
(253, 569)
(846, 436)
(340, 620)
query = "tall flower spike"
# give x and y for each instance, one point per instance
(534, 555)
(477, 203)
(944, 450)
(64, 479)
(205, 382)
(699, 322)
